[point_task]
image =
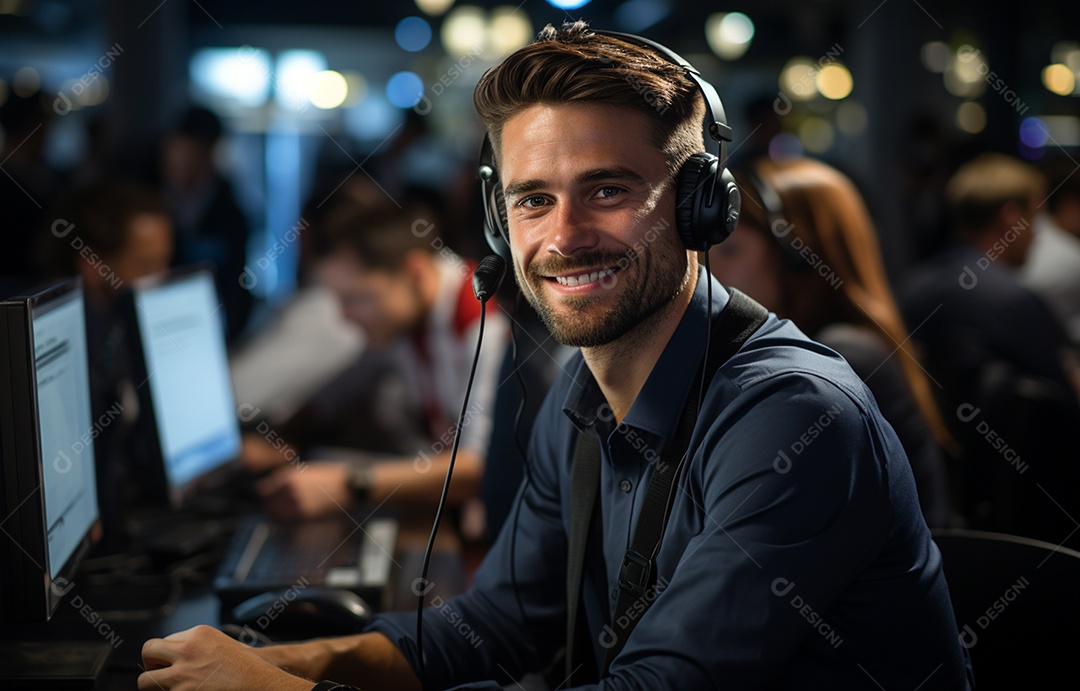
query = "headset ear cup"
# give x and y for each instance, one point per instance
(698, 222)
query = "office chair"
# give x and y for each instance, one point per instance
(1017, 605)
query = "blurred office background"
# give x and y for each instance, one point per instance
(314, 93)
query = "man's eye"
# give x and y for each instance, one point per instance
(531, 202)
(608, 192)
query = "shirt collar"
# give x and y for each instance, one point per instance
(660, 403)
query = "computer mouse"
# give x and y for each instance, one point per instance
(300, 613)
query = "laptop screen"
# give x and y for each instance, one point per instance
(183, 342)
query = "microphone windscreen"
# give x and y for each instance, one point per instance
(488, 276)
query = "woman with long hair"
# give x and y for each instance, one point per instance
(806, 248)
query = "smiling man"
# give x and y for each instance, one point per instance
(794, 554)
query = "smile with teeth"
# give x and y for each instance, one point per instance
(584, 279)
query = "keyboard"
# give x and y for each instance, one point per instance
(336, 553)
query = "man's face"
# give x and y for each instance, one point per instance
(147, 250)
(385, 304)
(591, 217)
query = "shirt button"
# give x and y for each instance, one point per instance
(614, 593)
(625, 485)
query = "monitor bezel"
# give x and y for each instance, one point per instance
(30, 593)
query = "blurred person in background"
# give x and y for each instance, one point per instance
(806, 249)
(308, 342)
(110, 234)
(413, 299)
(995, 350)
(209, 224)
(1052, 268)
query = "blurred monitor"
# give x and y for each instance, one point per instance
(182, 372)
(48, 497)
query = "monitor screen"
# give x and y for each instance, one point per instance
(48, 491)
(182, 340)
(64, 424)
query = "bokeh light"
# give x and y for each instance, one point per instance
(237, 74)
(413, 34)
(404, 89)
(964, 75)
(329, 89)
(434, 7)
(834, 82)
(509, 29)
(797, 78)
(971, 117)
(935, 56)
(1033, 132)
(729, 34)
(296, 69)
(463, 31)
(568, 4)
(1059, 79)
(357, 86)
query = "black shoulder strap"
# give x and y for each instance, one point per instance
(584, 481)
(739, 319)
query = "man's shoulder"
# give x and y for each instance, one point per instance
(782, 354)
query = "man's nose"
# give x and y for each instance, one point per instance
(574, 229)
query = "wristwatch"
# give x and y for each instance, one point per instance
(361, 482)
(328, 685)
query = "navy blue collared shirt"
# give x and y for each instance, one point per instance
(795, 556)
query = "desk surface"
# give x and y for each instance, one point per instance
(83, 616)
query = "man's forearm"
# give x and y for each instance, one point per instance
(368, 660)
(421, 480)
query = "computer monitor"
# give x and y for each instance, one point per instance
(182, 375)
(48, 497)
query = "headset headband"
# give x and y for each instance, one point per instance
(715, 115)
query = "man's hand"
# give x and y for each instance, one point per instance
(206, 659)
(259, 455)
(319, 489)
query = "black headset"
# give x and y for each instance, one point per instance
(707, 199)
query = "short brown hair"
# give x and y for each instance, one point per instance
(380, 234)
(576, 65)
(978, 191)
